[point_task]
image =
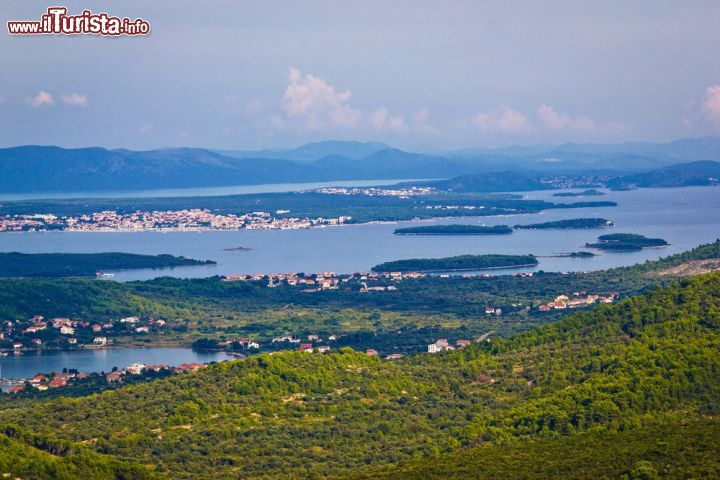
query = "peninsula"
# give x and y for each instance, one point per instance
(56, 265)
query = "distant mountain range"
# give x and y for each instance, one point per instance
(313, 151)
(54, 169)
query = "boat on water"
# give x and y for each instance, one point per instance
(104, 275)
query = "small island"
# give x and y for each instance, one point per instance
(56, 265)
(573, 255)
(237, 249)
(626, 242)
(571, 223)
(459, 263)
(585, 193)
(455, 230)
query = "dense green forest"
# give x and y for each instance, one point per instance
(571, 223)
(33, 456)
(455, 230)
(680, 448)
(462, 262)
(624, 371)
(53, 265)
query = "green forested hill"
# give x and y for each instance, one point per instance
(648, 362)
(35, 457)
(676, 449)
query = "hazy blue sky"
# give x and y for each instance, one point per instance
(444, 74)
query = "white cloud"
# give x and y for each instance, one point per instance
(711, 104)
(507, 120)
(74, 99)
(562, 121)
(42, 98)
(146, 127)
(317, 104)
(382, 119)
(502, 119)
(310, 103)
(420, 122)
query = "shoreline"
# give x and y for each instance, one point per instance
(461, 269)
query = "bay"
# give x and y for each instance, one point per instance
(685, 217)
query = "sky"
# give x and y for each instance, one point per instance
(422, 75)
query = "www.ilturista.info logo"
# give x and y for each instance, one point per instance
(57, 22)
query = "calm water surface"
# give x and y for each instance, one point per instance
(100, 360)
(685, 217)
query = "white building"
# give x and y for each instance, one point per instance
(136, 368)
(441, 345)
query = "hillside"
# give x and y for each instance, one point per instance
(99, 169)
(53, 169)
(701, 173)
(629, 368)
(489, 182)
(690, 448)
(39, 457)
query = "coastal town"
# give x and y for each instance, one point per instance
(576, 300)
(311, 283)
(39, 333)
(400, 192)
(191, 220)
(68, 378)
(358, 281)
(574, 181)
(188, 220)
